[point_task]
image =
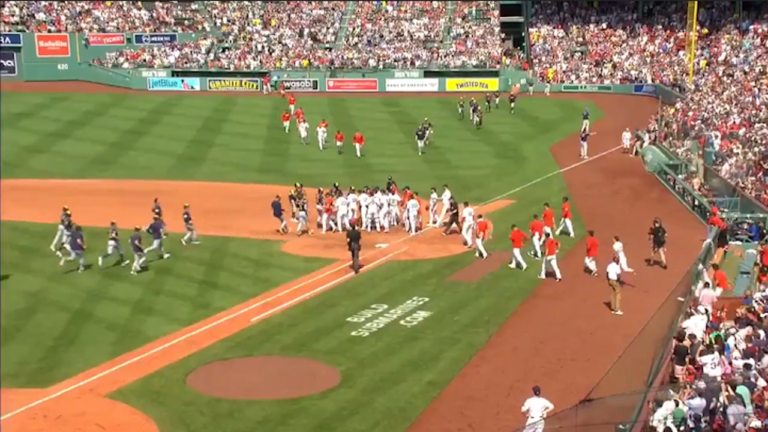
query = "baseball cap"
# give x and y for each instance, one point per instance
(537, 390)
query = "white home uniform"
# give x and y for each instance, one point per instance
(626, 139)
(394, 208)
(365, 201)
(352, 200)
(618, 249)
(412, 215)
(536, 408)
(446, 199)
(342, 218)
(322, 133)
(467, 224)
(384, 210)
(433, 198)
(304, 132)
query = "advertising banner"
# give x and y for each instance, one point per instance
(155, 73)
(173, 84)
(412, 85)
(352, 85)
(8, 64)
(646, 89)
(301, 85)
(154, 38)
(587, 88)
(472, 85)
(240, 84)
(106, 39)
(52, 45)
(11, 40)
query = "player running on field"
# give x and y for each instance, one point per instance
(286, 119)
(322, 133)
(339, 141)
(461, 108)
(113, 245)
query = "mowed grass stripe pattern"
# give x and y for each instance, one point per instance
(240, 139)
(56, 325)
(389, 377)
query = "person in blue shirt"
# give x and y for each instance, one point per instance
(585, 120)
(77, 249)
(279, 214)
(754, 233)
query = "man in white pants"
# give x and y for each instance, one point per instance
(412, 213)
(63, 231)
(113, 245)
(352, 200)
(304, 132)
(585, 134)
(483, 232)
(565, 221)
(536, 409)
(322, 134)
(626, 140)
(365, 202)
(384, 214)
(433, 198)
(342, 218)
(467, 224)
(551, 247)
(537, 236)
(517, 238)
(446, 199)
(618, 250)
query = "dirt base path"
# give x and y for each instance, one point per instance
(224, 209)
(563, 337)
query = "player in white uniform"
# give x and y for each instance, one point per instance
(322, 134)
(618, 250)
(373, 212)
(304, 132)
(468, 224)
(365, 202)
(433, 199)
(536, 409)
(394, 208)
(446, 199)
(342, 218)
(383, 210)
(412, 214)
(352, 200)
(626, 139)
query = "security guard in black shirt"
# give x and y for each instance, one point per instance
(354, 246)
(453, 218)
(658, 237)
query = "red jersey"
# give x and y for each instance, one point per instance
(329, 206)
(715, 211)
(550, 246)
(291, 100)
(549, 217)
(715, 221)
(592, 245)
(339, 137)
(566, 210)
(721, 280)
(407, 196)
(282, 86)
(359, 139)
(763, 255)
(482, 229)
(299, 113)
(286, 117)
(323, 124)
(518, 238)
(537, 227)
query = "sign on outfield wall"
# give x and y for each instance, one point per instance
(11, 40)
(646, 89)
(155, 73)
(352, 85)
(587, 88)
(412, 85)
(106, 39)
(301, 85)
(155, 38)
(8, 65)
(472, 85)
(52, 45)
(241, 84)
(173, 84)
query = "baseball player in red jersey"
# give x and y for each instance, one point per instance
(517, 238)
(549, 220)
(551, 247)
(537, 235)
(482, 233)
(566, 220)
(359, 141)
(298, 114)
(339, 141)
(282, 89)
(291, 103)
(590, 260)
(286, 118)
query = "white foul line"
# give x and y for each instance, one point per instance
(251, 307)
(324, 287)
(200, 330)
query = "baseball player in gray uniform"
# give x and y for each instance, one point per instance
(76, 248)
(139, 257)
(157, 231)
(113, 245)
(303, 227)
(191, 236)
(63, 232)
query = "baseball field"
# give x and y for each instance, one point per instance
(251, 330)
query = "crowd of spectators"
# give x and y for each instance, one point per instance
(102, 17)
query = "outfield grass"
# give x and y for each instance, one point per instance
(389, 377)
(55, 325)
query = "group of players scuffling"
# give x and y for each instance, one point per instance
(358, 140)
(491, 100)
(70, 239)
(372, 209)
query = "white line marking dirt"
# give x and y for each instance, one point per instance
(251, 307)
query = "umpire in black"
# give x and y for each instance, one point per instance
(354, 246)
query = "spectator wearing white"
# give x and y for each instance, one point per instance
(696, 324)
(613, 273)
(536, 409)
(707, 298)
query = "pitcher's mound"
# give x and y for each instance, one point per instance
(269, 377)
